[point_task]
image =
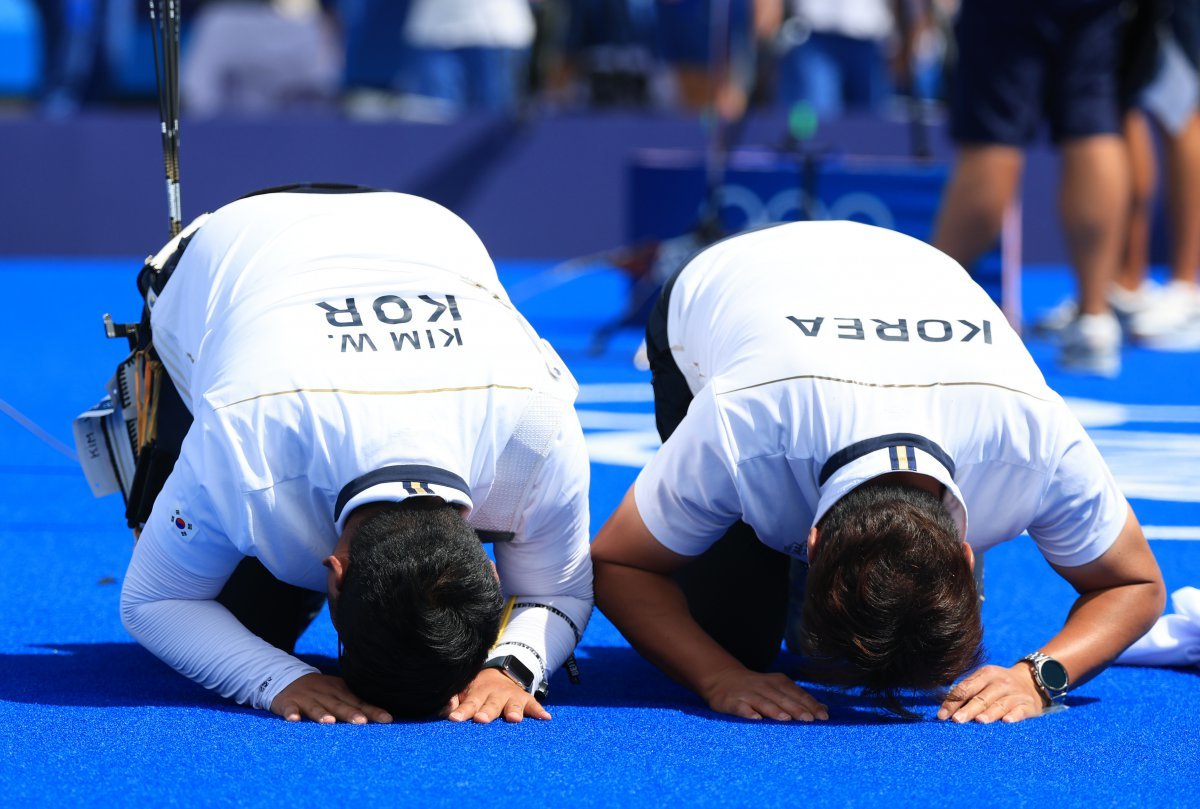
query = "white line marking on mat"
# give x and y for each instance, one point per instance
(616, 392)
(1097, 413)
(1191, 532)
(606, 420)
(38, 432)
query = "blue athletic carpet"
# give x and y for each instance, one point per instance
(89, 718)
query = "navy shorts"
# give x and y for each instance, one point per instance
(1022, 62)
(685, 28)
(1183, 21)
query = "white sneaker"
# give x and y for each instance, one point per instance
(1092, 344)
(1125, 303)
(1057, 318)
(1173, 322)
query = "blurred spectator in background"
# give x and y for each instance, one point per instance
(376, 56)
(473, 55)
(1163, 57)
(596, 53)
(928, 48)
(99, 51)
(1022, 62)
(1159, 86)
(84, 43)
(254, 57)
(834, 55)
(712, 47)
(435, 59)
(840, 55)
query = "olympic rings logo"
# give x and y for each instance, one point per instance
(744, 208)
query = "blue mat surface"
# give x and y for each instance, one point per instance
(89, 718)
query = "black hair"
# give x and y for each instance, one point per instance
(419, 607)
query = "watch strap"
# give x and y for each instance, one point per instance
(516, 670)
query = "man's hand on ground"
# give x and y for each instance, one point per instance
(752, 695)
(325, 699)
(994, 693)
(492, 695)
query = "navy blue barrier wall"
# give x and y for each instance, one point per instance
(553, 188)
(668, 194)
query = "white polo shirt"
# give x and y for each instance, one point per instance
(823, 354)
(450, 24)
(335, 350)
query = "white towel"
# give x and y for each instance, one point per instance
(1174, 640)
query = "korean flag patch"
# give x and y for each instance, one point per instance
(182, 526)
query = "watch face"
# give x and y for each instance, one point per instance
(520, 671)
(1054, 675)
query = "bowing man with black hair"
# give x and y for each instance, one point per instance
(366, 406)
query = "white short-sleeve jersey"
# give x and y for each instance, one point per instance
(335, 350)
(824, 354)
(450, 24)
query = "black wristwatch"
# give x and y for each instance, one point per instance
(1049, 676)
(520, 674)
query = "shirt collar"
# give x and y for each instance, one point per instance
(396, 483)
(861, 461)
